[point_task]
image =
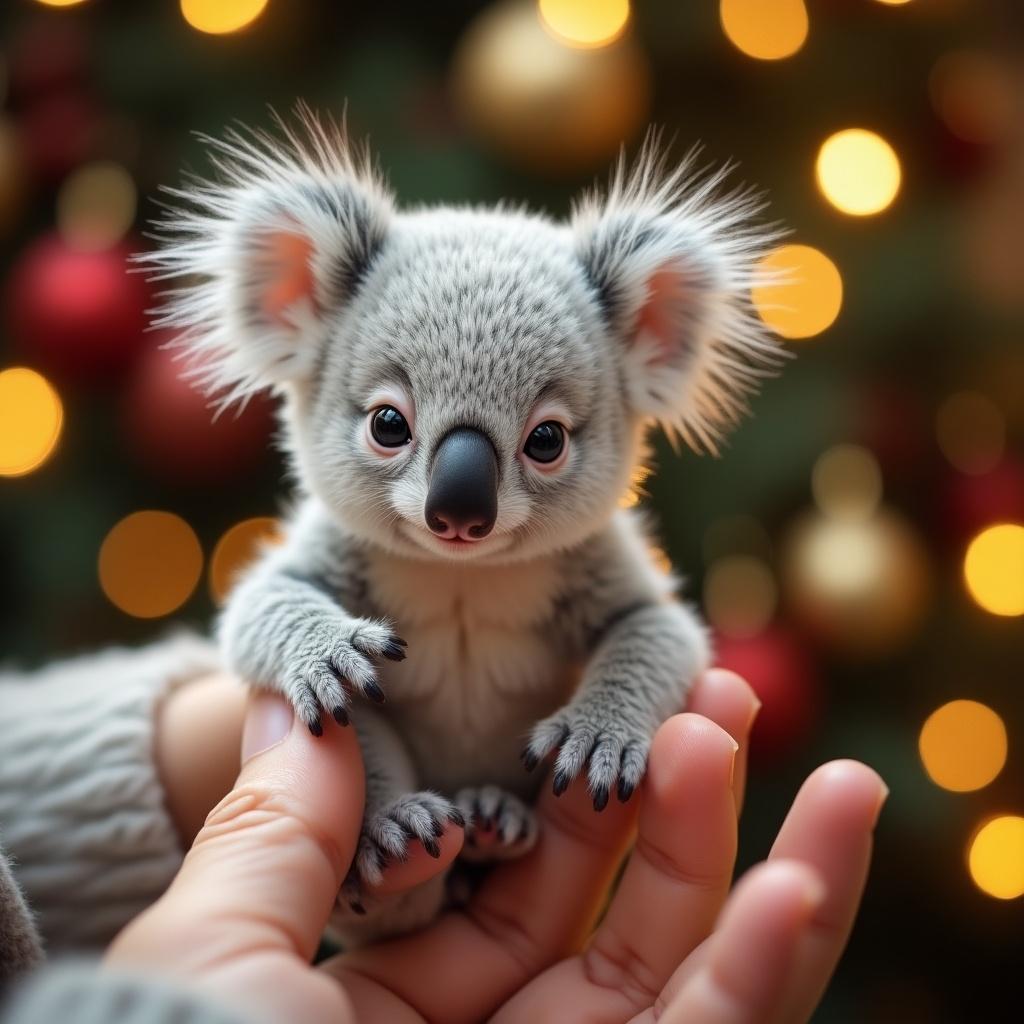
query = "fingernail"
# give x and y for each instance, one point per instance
(732, 760)
(754, 712)
(883, 795)
(267, 722)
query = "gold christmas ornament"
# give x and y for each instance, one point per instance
(542, 104)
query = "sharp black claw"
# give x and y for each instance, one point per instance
(456, 817)
(530, 759)
(524, 831)
(624, 790)
(600, 798)
(398, 640)
(433, 847)
(340, 715)
(437, 828)
(394, 651)
(374, 692)
(561, 783)
(315, 727)
(358, 908)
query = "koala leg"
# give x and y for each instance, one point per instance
(499, 825)
(396, 816)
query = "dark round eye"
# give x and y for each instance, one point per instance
(389, 428)
(545, 442)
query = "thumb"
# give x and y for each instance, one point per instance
(264, 870)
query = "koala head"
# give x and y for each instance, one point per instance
(464, 384)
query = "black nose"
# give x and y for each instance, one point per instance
(462, 499)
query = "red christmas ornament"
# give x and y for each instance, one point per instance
(77, 313)
(169, 424)
(976, 501)
(779, 670)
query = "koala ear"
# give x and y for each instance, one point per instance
(673, 263)
(264, 256)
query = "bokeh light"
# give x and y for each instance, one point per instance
(808, 296)
(971, 432)
(31, 417)
(60, 3)
(96, 205)
(963, 745)
(765, 29)
(858, 172)
(585, 23)
(221, 16)
(740, 596)
(150, 563)
(893, 3)
(994, 569)
(995, 857)
(237, 549)
(846, 482)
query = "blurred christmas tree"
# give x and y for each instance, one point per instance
(859, 548)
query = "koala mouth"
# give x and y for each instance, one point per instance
(455, 548)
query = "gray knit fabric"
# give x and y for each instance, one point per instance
(82, 814)
(81, 994)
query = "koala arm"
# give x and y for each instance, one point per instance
(645, 649)
(286, 627)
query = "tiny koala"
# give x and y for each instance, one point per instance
(466, 396)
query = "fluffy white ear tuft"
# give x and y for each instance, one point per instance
(262, 257)
(673, 262)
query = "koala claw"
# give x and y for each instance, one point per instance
(499, 826)
(614, 755)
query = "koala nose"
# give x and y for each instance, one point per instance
(462, 499)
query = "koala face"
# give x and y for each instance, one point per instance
(459, 384)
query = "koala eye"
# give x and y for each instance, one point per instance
(389, 427)
(545, 442)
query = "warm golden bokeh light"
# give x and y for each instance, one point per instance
(765, 29)
(858, 172)
(60, 3)
(971, 432)
(220, 16)
(150, 563)
(807, 296)
(237, 549)
(96, 205)
(740, 596)
(846, 482)
(893, 3)
(994, 569)
(963, 745)
(585, 23)
(996, 857)
(31, 416)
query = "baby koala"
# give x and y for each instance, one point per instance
(466, 393)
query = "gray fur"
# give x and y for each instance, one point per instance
(558, 631)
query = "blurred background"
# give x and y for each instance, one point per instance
(859, 547)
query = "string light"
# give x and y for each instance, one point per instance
(218, 17)
(150, 563)
(740, 596)
(963, 745)
(31, 417)
(585, 23)
(858, 172)
(995, 857)
(808, 296)
(96, 206)
(971, 432)
(237, 549)
(765, 29)
(846, 482)
(994, 569)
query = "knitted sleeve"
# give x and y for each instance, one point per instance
(82, 814)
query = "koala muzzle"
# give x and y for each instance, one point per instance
(462, 499)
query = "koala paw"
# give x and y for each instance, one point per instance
(499, 826)
(613, 751)
(387, 833)
(330, 663)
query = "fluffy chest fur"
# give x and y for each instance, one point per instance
(483, 663)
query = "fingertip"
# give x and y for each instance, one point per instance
(850, 786)
(689, 743)
(423, 862)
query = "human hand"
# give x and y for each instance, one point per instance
(243, 918)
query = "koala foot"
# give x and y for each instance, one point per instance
(386, 836)
(331, 663)
(613, 753)
(499, 826)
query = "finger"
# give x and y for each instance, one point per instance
(754, 949)
(420, 866)
(265, 868)
(527, 914)
(829, 828)
(728, 701)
